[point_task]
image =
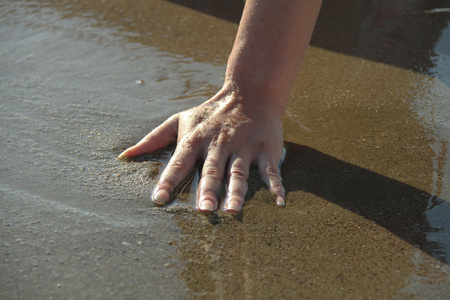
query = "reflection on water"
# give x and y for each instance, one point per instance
(442, 58)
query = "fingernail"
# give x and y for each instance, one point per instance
(161, 197)
(233, 206)
(122, 156)
(280, 201)
(206, 206)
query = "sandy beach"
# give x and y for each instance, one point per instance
(366, 170)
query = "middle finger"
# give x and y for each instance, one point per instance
(211, 180)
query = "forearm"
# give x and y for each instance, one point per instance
(270, 46)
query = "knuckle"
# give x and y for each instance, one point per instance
(195, 137)
(176, 164)
(174, 168)
(223, 138)
(211, 172)
(238, 169)
(166, 185)
(212, 160)
(211, 167)
(239, 163)
(191, 138)
(265, 147)
(172, 119)
(277, 188)
(272, 171)
(238, 198)
(209, 195)
(238, 173)
(207, 192)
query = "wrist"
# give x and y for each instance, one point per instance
(259, 98)
(272, 81)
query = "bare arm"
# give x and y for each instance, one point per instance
(270, 46)
(242, 124)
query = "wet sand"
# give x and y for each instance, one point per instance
(365, 170)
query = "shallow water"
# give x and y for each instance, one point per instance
(74, 221)
(366, 170)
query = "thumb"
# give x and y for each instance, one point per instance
(158, 138)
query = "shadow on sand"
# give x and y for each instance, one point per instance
(394, 205)
(397, 33)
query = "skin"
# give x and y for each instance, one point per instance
(242, 124)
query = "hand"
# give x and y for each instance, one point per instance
(239, 126)
(228, 133)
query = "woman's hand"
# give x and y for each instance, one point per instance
(228, 133)
(241, 125)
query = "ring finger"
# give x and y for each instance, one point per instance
(237, 183)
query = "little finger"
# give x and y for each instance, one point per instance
(270, 173)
